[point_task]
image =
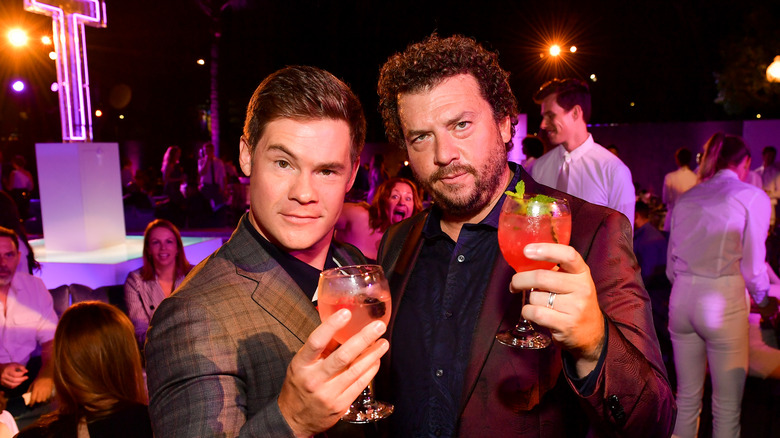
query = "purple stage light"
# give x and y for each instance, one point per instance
(18, 86)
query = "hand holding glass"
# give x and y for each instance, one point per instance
(535, 219)
(363, 289)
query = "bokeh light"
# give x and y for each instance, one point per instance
(555, 50)
(54, 87)
(773, 71)
(573, 49)
(98, 113)
(52, 55)
(17, 37)
(18, 86)
(201, 61)
(46, 40)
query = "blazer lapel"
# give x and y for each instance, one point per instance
(276, 292)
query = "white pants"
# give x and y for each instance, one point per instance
(708, 323)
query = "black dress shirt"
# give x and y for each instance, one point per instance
(305, 276)
(435, 324)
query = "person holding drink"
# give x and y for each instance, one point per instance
(239, 349)
(449, 104)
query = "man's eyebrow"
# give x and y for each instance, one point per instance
(281, 148)
(334, 165)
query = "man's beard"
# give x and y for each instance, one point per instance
(486, 183)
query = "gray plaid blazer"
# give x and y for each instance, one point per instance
(217, 349)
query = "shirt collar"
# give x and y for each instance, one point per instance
(304, 275)
(432, 227)
(727, 173)
(578, 153)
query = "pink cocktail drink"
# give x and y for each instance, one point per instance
(366, 306)
(528, 219)
(516, 230)
(363, 289)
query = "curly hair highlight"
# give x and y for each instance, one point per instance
(426, 64)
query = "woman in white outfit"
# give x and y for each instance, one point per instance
(716, 249)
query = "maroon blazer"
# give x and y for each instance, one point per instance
(525, 392)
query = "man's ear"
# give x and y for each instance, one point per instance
(505, 128)
(354, 174)
(576, 112)
(245, 157)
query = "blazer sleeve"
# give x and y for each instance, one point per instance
(632, 395)
(134, 287)
(196, 383)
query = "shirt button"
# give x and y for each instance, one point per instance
(439, 373)
(461, 258)
(448, 314)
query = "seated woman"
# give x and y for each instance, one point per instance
(97, 377)
(165, 266)
(8, 427)
(362, 225)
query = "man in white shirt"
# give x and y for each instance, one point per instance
(28, 322)
(578, 165)
(678, 182)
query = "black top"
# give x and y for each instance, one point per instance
(131, 422)
(305, 276)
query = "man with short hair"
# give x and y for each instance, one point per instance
(578, 165)
(238, 349)
(27, 324)
(676, 183)
(449, 104)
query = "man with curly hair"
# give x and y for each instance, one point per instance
(449, 104)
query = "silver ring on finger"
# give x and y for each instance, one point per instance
(551, 300)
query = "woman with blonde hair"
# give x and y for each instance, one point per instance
(164, 268)
(97, 376)
(716, 249)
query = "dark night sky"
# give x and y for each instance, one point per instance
(661, 55)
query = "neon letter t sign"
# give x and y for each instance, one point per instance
(69, 18)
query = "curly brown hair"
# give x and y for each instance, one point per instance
(426, 64)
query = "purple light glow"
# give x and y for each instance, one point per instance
(68, 20)
(18, 86)
(55, 87)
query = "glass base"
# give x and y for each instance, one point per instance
(528, 339)
(367, 411)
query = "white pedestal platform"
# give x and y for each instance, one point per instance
(107, 266)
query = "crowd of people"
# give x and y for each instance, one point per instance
(639, 306)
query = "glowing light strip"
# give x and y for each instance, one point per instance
(68, 22)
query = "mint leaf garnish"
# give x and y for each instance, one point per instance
(517, 195)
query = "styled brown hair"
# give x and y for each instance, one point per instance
(720, 152)
(11, 234)
(568, 92)
(182, 265)
(426, 64)
(378, 218)
(97, 364)
(304, 93)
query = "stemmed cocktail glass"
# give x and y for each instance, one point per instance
(363, 289)
(528, 219)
